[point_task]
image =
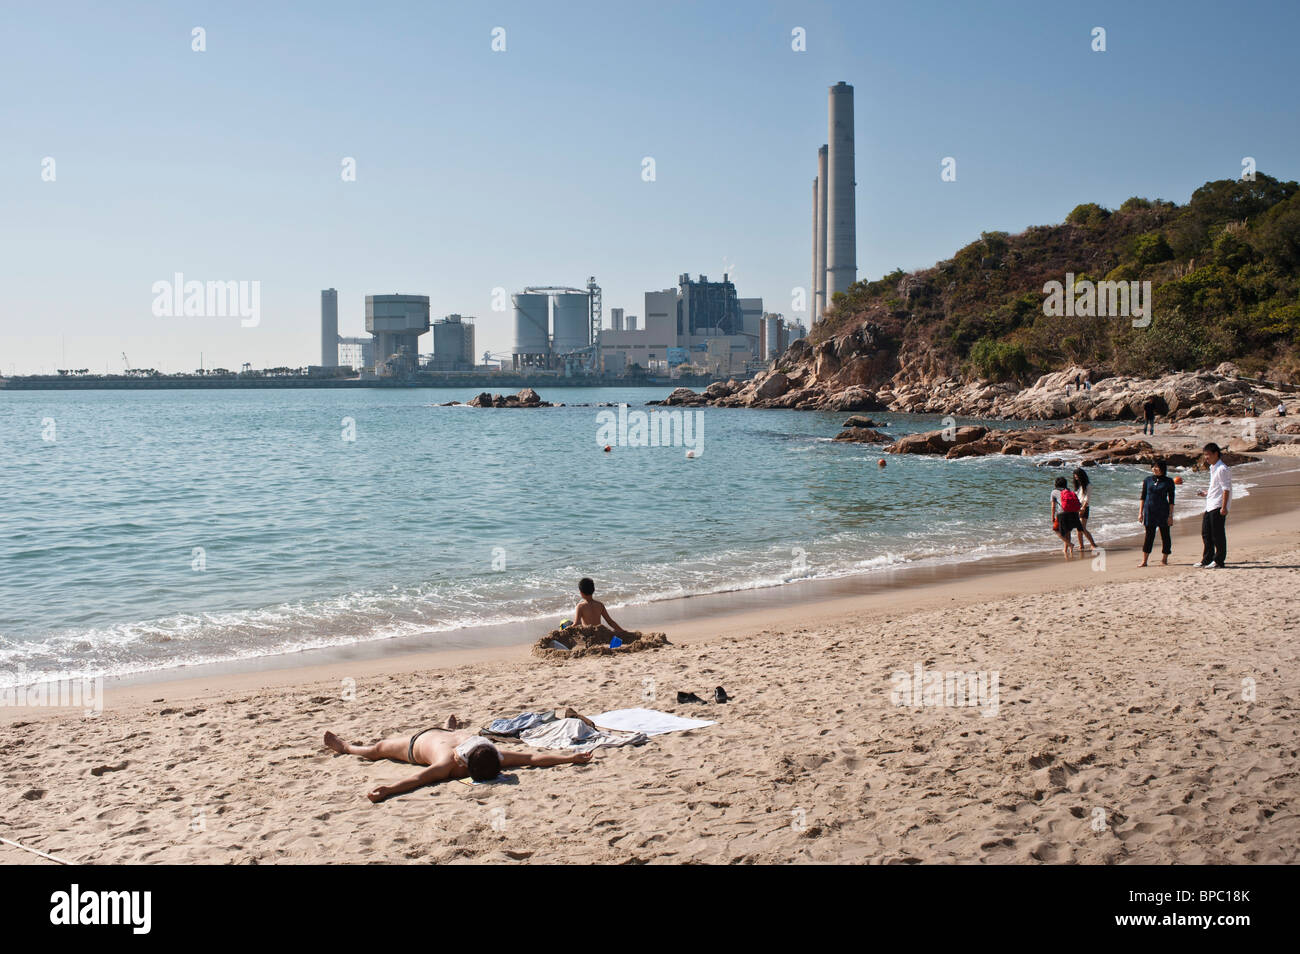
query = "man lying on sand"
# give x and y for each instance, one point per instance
(448, 752)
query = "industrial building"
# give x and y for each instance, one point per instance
(835, 243)
(396, 322)
(556, 327)
(453, 344)
(355, 353)
(699, 323)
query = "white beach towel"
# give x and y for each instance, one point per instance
(646, 721)
(576, 736)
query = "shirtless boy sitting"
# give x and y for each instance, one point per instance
(448, 752)
(590, 611)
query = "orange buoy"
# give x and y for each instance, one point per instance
(881, 462)
(1178, 480)
(607, 448)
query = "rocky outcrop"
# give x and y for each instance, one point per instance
(863, 435)
(956, 443)
(525, 398)
(813, 385)
(937, 442)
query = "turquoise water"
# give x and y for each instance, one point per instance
(436, 518)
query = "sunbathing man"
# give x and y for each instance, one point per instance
(448, 752)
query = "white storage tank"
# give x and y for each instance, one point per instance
(572, 317)
(530, 323)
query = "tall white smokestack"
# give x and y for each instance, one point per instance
(841, 231)
(819, 295)
(329, 328)
(812, 289)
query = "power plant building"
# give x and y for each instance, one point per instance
(701, 323)
(397, 322)
(356, 353)
(453, 344)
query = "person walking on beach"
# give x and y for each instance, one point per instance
(1081, 483)
(1156, 511)
(1065, 514)
(1213, 524)
(1149, 415)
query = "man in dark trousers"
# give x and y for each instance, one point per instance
(1217, 496)
(1156, 511)
(1149, 415)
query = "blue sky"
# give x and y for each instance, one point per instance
(479, 169)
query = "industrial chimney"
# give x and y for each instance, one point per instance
(819, 253)
(329, 328)
(841, 229)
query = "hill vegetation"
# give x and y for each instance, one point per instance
(1224, 270)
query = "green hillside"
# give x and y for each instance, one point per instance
(1224, 268)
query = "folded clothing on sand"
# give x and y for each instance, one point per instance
(513, 726)
(646, 721)
(576, 736)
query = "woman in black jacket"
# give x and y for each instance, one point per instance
(1156, 511)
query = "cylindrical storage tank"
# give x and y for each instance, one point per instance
(449, 342)
(771, 335)
(530, 324)
(572, 323)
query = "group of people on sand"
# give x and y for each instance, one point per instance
(450, 751)
(1071, 508)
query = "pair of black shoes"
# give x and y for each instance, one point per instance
(719, 695)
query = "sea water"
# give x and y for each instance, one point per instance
(155, 529)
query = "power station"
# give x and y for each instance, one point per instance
(700, 327)
(835, 230)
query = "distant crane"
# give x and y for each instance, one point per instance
(126, 361)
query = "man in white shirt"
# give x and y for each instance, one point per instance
(1213, 534)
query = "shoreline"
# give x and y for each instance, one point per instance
(1141, 716)
(709, 617)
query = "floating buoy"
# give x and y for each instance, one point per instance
(881, 462)
(690, 455)
(608, 448)
(1178, 480)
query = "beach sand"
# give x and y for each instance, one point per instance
(1120, 735)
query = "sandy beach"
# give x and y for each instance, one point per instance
(1141, 716)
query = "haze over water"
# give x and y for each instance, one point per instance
(437, 518)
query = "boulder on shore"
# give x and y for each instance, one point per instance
(525, 398)
(862, 435)
(937, 442)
